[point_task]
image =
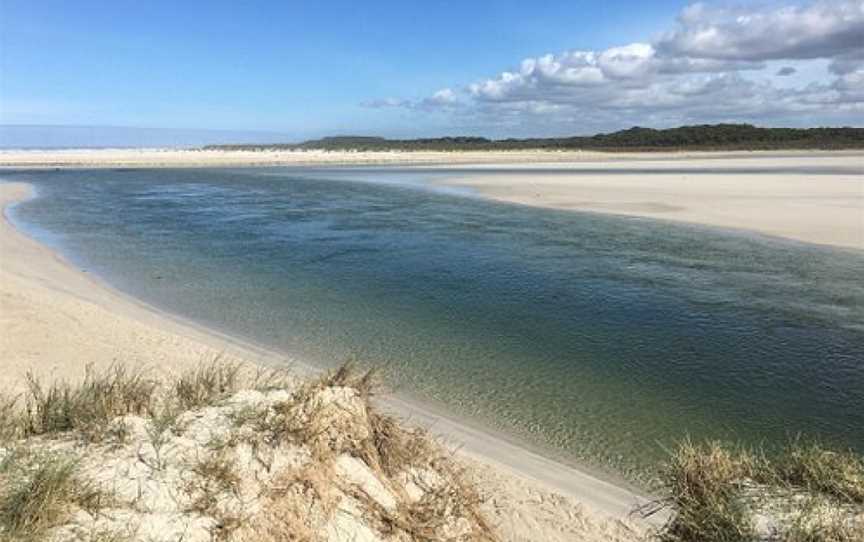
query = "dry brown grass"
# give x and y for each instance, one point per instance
(823, 521)
(327, 418)
(704, 483)
(297, 506)
(809, 465)
(808, 493)
(390, 449)
(394, 448)
(383, 444)
(450, 511)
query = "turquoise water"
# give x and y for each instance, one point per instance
(594, 338)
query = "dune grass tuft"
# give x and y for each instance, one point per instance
(703, 482)
(10, 419)
(40, 491)
(206, 384)
(839, 474)
(88, 407)
(807, 493)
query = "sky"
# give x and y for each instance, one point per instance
(406, 69)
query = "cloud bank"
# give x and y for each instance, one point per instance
(792, 64)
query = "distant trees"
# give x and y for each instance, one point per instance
(697, 137)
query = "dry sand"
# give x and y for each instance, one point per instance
(107, 158)
(197, 158)
(815, 198)
(54, 320)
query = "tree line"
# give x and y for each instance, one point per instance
(697, 137)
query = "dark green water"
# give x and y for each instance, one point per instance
(585, 335)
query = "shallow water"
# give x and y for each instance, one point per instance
(592, 337)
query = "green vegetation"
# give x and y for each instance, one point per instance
(88, 407)
(806, 494)
(700, 137)
(838, 474)
(205, 384)
(38, 491)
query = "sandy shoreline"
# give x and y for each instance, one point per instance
(809, 196)
(108, 158)
(55, 319)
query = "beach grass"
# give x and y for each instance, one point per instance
(839, 474)
(806, 493)
(87, 407)
(206, 383)
(50, 431)
(38, 491)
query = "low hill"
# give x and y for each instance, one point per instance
(698, 137)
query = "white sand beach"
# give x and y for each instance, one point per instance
(815, 198)
(55, 320)
(216, 158)
(170, 157)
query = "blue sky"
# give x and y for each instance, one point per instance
(422, 68)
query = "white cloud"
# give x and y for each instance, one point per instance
(384, 103)
(628, 62)
(717, 64)
(822, 29)
(443, 98)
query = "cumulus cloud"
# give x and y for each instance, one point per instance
(716, 64)
(822, 29)
(444, 98)
(628, 62)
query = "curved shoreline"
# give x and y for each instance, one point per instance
(31, 262)
(817, 199)
(813, 197)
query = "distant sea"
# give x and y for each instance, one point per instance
(592, 338)
(40, 136)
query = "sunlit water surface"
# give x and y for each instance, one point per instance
(594, 338)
